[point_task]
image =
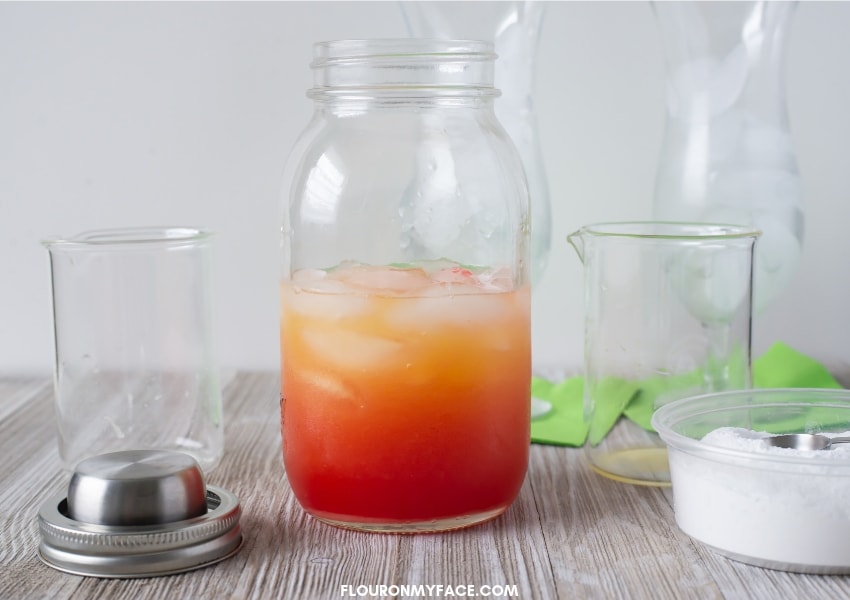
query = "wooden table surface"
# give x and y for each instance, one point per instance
(570, 534)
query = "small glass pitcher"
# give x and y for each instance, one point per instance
(668, 314)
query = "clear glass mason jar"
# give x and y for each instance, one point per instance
(405, 313)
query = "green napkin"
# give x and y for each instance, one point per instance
(619, 394)
(780, 366)
(783, 367)
(564, 424)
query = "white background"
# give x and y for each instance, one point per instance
(157, 113)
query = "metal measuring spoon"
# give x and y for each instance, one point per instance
(805, 441)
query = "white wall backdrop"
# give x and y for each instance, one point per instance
(116, 114)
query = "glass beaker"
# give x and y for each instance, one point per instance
(135, 359)
(405, 303)
(668, 314)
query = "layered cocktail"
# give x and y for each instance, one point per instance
(405, 393)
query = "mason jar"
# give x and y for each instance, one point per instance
(405, 299)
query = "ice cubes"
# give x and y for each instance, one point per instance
(776, 257)
(757, 189)
(704, 87)
(393, 281)
(428, 313)
(351, 350)
(712, 285)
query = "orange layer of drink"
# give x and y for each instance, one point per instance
(405, 394)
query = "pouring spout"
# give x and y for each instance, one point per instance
(577, 241)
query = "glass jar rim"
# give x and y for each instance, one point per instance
(673, 230)
(130, 236)
(399, 70)
(332, 52)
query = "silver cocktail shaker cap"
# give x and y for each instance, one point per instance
(138, 513)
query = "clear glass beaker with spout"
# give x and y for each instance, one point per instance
(668, 314)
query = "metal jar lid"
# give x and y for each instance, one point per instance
(91, 531)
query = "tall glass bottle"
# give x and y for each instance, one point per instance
(727, 155)
(405, 320)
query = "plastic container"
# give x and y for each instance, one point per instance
(776, 508)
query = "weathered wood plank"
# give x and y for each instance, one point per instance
(571, 533)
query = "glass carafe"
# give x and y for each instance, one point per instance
(514, 28)
(727, 155)
(405, 318)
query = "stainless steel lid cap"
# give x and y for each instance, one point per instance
(137, 487)
(147, 550)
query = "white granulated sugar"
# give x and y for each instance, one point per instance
(763, 509)
(746, 440)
